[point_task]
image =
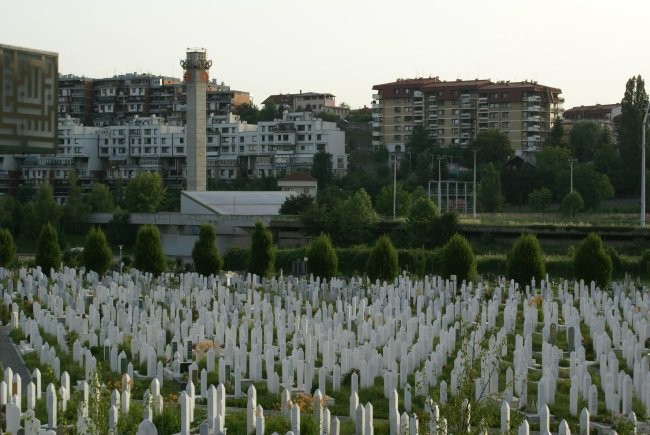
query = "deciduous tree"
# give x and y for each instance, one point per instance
(100, 199)
(144, 193)
(75, 210)
(489, 193)
(634, 103)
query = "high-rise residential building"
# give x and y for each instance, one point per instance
(110, 100)
(453, 112)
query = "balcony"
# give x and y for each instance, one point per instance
(418, 121)
(534, 99)
(534, 119)
(433, 116)
(376, 143)
(375, 124)
(465, 124)
(465, 115)
(534, 108)
(376, 133)
(417, 110)
(376, 105)
(376, 96)
(418, 94)
(483, 120)
(483, 108)
(533, 128)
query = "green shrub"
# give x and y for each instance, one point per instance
(7, 248)
(323, 261)
(353, 260)
(236, 259)
(149, 256)
(591, 261)
(97, 254)
(413, 260)
(492, 265)
(540, 199)
(205, 255)
(262, 254)
(525, 260)
(48, 252)
(284, 258)
(382, 261)
(458, 259)
(572, 203)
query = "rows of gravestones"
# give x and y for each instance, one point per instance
(285, 333)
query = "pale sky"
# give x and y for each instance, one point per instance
(587, 48)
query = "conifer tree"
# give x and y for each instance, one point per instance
(205, 255)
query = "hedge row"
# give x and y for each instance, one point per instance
(352, 262)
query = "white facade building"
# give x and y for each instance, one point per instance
(234, 149)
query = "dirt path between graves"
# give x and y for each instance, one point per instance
(10, 357)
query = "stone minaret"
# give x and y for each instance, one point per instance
(196, 68)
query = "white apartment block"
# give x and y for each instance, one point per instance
(234, 150)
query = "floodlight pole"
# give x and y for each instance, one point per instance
(645, 119)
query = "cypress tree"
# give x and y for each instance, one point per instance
(148, 252)
(458, 259)
(262, 256)
(591, 261)
(97, 254)
(48, 251)
(382, 261)
(205, 255)
(323, 261)
(7, 248)
(525, 260)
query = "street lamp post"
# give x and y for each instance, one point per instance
(645, 119)
(571, 188)
(440, 185)
(474, 201)
(394, 184)
(121, 263)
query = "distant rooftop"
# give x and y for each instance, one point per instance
(247, 203)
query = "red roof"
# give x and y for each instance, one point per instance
(298, 176)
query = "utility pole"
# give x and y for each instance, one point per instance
(394, 184)
(474, 202)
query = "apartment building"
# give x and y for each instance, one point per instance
(119, 152)
(605, 115)
(453, 112)
(315, 102)
(111, 100)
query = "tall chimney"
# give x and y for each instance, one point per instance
(196, 68)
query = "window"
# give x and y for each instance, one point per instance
(398, 119)
(441, 131)
(397, 137)
(454, 131)
(505, 114)
(441, 112)
(505, 125)
(398, 110)
(455, 111)
(318, 136)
